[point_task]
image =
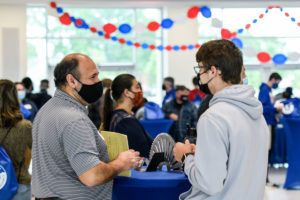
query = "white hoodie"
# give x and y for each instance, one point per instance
(231, 156)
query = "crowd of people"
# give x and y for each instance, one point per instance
(70, 158)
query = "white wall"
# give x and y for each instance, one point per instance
(180, 63)
(13, 16)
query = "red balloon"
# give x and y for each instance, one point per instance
(261, 16)
(287, 14)
(193, 12)
(197, 46)
(109, 28)
(298, 24)
(183, 47)
(247, 26)
(225, 33)
(137, 45)
(65, 19)
(78, 22)
(122, 40)
(152, 47)
(153, 26)
(233, 34)
(169, 48)
(107, 36)
(53, 4)
(263, 57)
(93, 29)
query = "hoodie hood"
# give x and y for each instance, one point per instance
(241, 96)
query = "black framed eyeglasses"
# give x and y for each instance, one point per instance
(197, 68)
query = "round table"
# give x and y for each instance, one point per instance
(156, 185)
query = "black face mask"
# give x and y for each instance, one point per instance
(184, 98)
(203, 87)
(91, 93)
(163, 87)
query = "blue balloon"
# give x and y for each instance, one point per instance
(240, 30)
(83, 25)
(59, 10)
(279, 59)
(114, 38)
(145, 46)
(255, 20)
(129, 43)
(190, 47)
(160, 47)
(72, 19)
(100, 33)
(167, 23)
(125, 28)
(176, 47)
(205, 11)
(293, 19)
(237, 42)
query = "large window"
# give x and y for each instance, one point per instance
(48, 41)
(274, 33)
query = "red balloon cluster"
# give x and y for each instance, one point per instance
(226, 34)
(65, 19)
(263, 57)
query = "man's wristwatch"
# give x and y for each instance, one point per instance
(184, 157)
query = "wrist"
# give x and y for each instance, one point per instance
(184, 156)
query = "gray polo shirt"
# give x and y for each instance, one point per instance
(65, 144)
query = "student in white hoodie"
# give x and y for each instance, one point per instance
(229, 161)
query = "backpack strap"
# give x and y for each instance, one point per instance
(5, 135)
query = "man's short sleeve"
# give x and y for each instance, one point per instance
(79, 143)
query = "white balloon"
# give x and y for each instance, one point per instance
(96, 24)
(294, 56)
(139, 28)
(52, 12)
(180, 19)
(249, 51)
(216, 23)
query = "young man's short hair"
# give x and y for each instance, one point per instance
(225, 56)
(276, 76)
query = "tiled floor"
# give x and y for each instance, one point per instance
(271, 193)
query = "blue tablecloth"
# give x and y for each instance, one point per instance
(157, 126)
(292, 129)
(279, 151)
(158, 185)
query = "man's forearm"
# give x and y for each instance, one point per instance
(101, 173)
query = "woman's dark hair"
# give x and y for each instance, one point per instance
(9, 104)
(64, 68)
(225, 56)
(119, 84)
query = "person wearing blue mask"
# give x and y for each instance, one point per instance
(269, 110)
(267, 99)
(21, 96)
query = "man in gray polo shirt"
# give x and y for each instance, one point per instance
(69, 156)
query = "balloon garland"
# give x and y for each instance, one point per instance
(108, 29)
